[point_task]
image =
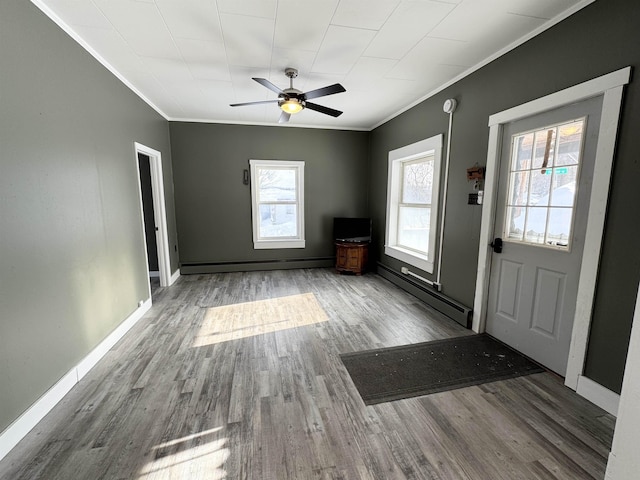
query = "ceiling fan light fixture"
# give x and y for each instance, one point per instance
(291, 105)
(291, 100)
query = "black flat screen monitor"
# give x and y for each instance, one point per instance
(347, 229)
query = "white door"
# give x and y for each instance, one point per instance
(545, 176)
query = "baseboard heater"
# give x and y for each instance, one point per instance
(428, 294)
(256, 265)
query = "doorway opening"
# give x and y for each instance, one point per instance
(154, 217)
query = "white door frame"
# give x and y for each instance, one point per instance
(610, 86)
(159, 211)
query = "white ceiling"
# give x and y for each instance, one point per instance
(190, 59)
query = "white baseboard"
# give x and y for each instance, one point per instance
(15, 432)
(174, 277)
(599, 395)
(612, 467)
(88, 362)
(36, 412)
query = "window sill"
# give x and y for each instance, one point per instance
(411, 258)
(273, 244)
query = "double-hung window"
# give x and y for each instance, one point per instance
(277, 195)
(412, 202)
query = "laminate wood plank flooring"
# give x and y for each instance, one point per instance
(238, 376)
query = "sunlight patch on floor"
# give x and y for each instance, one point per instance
(201, 455)
(232, 322)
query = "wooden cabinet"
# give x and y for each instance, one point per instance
(352, 257)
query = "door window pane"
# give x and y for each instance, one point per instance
(544, 148)
(570, 143)
(539, 187)
(536, 224)
(519, 188)
(542, 193)
(564, 186)
(559, 226)
(522, 152)
(515, 220)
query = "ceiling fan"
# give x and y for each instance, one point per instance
(291, 100)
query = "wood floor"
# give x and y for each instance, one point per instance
(196, 390)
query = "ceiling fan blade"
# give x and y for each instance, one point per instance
(284, 117)
(324, 91)
(323, 109)
(266, 83)
(253, 103)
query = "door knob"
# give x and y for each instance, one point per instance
(496, 245)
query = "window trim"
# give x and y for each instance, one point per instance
(397, 158)
(273, 243)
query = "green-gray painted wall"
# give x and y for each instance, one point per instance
(599, 39)
(214, 206)
(72, 260)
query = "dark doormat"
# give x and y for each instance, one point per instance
(394, 373)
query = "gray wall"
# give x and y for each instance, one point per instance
(599, 39)
(214, 207)
(72, 261)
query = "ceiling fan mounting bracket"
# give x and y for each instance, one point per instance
(291, 72)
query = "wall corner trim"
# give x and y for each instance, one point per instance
(15, 432)
(598, 395)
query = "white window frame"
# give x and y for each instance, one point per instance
(408, 153)
(298, 241)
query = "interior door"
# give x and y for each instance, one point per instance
(545, 175)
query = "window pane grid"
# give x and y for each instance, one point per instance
(543, 178)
